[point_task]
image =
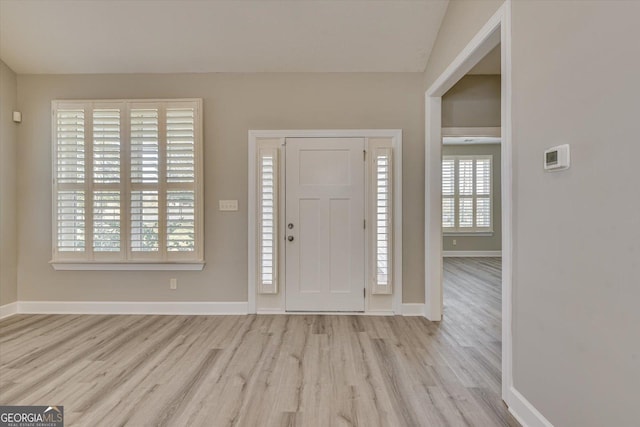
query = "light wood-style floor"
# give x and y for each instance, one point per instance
(264, 370)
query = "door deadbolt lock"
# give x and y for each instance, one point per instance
(290, 226)
(290, 238)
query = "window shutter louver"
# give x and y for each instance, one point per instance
(106, 146)
(466, 212)
(448, 193)
(483, 212)
(465, 177)
(483, 193)
(70, 218)
(69, 183)
(382, 221)
(145, 150)
(145, 221)
(106, 221)
(180, 145)
(483, 177)
(70, 148)
(267, 219)
(181, 221)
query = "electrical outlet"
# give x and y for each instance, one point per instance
(173, 284)
(455, 242)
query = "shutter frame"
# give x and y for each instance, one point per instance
(467, 200)
(267, 273)
(102, 177)
(381, 228)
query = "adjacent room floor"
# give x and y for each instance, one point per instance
(264, 370)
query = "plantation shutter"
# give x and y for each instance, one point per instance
(106, 153)
(180, 178)
(267, 204)
(382, 216)
(483, 193)
(127, 180)
(69, 179)
(466, 193)
(144, 122)
(448, 192)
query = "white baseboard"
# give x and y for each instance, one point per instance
(471, 254)
(8, 309)
(167, 308)
(413, 309)
(127, 307)
(525, 412)
(327, 313)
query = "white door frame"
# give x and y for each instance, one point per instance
(396, 137)
(496, 31)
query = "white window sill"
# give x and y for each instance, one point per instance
(127, 266)
(468, 234)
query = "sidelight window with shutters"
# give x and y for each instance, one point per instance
(467, 194)
(127, 181)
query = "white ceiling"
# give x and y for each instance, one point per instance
(142, 36)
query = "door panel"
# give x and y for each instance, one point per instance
(325, 206)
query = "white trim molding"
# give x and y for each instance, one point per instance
(190, 308)
(496, 31)
(488, 132)
(130, 307)
(470, 254)
(8, 309)
(413, 309)
(268, 312)
(523, 411)
(127, 266)
(254, 136)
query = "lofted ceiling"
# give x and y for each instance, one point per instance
(167, 36)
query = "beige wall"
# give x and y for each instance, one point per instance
(472, 102)
(577, 233)
(463, 20)
(8, 211)
(233, 104)
(479, 243)
(576, 271)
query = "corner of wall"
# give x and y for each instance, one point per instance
(8, 190)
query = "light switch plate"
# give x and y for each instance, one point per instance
(228, 205)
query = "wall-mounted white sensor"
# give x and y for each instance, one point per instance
(17, 116)
(557, 158)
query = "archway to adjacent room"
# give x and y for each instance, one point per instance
(496, 32)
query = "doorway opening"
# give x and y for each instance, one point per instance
(325, 221)
(469, 209)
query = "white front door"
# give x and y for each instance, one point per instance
(324, 225)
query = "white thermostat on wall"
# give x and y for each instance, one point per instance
(557, 158)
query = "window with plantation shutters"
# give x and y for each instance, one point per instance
(267, 204)
(127, 181)
(381, 215)
(466, 194)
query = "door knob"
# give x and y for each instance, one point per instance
(290, 238)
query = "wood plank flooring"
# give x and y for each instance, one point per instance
(262, 370)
